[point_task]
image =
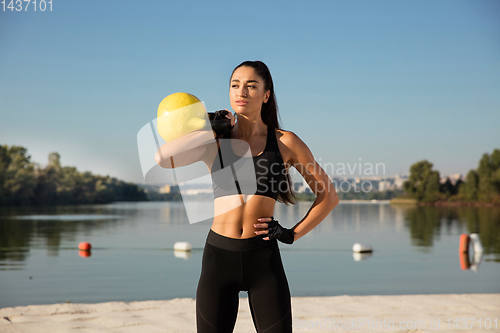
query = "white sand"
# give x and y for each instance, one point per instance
(311, 314)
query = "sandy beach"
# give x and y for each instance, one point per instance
(405, 313)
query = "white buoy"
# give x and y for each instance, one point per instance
(182, 246)
(362, 248)
(476, 243)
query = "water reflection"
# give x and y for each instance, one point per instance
(22, 228)
(466, 263)
(84, 254)
(75, 217)
(182, 254)
(425, 224)
(48, 228)
(361, 256)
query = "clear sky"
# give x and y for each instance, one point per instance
(390, 82)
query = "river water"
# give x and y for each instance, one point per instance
(132, 257)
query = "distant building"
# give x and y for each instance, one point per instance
(399, 181)
(456, 177)
(384, 185)
(453, 178)
(301, 187)
(165, 189)
(168, 189)
(197, 191)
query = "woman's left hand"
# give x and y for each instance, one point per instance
(262, 226)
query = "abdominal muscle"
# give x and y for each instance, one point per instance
(235, 215)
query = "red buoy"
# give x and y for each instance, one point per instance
(464, 244)
(84, 246)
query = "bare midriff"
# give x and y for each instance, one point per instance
(235, 215)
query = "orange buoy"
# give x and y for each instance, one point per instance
(464, 244)
(84, 246)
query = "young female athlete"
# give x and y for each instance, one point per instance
(241, 251)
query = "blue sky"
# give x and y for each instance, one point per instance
(390, 82)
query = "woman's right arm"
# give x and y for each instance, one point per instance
(185, 150)
(190, 148)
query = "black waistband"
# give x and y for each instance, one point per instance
(237, 244)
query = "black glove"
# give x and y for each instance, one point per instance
(277, 231)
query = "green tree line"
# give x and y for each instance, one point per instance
(481, 185)
(23, 182)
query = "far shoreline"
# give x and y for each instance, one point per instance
(414, 202)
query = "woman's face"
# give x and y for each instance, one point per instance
(246, 91)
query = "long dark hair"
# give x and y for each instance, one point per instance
(269, 115)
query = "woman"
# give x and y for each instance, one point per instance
(241, 252)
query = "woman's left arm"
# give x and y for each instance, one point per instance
(301, 158)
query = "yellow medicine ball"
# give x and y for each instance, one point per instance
(180, 114)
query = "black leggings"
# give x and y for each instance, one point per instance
(232, 265)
